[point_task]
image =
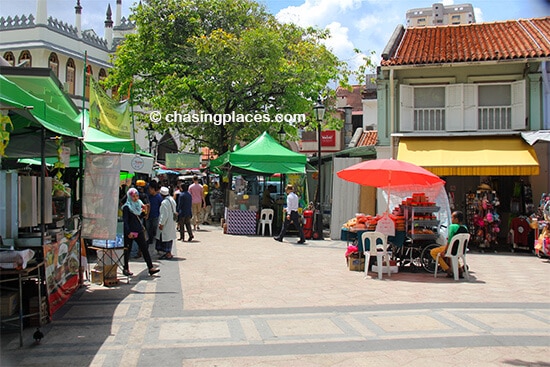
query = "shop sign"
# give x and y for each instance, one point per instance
(328, 138)
(137, 163)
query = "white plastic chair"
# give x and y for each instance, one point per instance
(456, 250)
(378, 246)
(266, 218)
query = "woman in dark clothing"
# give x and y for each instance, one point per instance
(133, 230)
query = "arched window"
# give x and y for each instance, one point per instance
(53, 63)
(25, 55)
(89, 74)
(8, 56)
(70, 76)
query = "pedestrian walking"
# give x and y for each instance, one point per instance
(196, 191)
(132, 211)
(154, 211)
(185, 212)
(166, 233)
(291, 215)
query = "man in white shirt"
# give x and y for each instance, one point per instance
(291, 215)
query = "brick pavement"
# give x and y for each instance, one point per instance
(251, 301)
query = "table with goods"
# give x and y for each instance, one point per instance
(416, 233)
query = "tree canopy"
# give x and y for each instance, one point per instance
(221, 57)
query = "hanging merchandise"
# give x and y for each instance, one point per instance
(521, 202)
(482, 216)
(527, 198)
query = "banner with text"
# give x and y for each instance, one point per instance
(107, 115)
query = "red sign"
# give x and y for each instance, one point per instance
(328, 138)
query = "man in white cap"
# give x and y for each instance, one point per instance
(166, 233)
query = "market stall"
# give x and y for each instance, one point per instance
(417, 206)
(263, 156)
(39, 122)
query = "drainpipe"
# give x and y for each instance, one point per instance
(392, 112)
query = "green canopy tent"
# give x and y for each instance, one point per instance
(39, 113)
(264, 155)
(29, 115)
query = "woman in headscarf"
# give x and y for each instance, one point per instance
(134, 231)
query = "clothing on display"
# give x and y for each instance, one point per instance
(482, 217)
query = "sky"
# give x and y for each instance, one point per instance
(366, 25)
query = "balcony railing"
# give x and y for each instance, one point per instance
(494, 118)
(429, 119)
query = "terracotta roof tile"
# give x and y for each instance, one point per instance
(507, 40)
(368, 138)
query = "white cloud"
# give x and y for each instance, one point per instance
(339, 41)
(367, 22)
(317, 13)
(331, 15)
(478, 13)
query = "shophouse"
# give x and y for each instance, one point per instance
(456, 99)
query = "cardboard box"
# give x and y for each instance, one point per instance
(356, 263)
(393, 269)
(9, 303)
(109, 271)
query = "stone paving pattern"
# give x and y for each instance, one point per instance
(228, 300)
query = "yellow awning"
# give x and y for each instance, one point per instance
(471, 156)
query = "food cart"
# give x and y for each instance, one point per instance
(416, 201)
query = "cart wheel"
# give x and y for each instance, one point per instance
(428, 262)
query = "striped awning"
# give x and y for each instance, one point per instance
(471, 156)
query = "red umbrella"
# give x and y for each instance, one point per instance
(389, 173)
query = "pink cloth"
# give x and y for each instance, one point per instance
(351, 249)
(196, 193)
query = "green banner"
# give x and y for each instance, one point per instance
(183, 160)
(108, 115)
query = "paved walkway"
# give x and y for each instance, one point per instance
(251, 301)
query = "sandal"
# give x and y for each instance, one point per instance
(168, 256)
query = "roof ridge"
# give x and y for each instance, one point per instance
(517, 39)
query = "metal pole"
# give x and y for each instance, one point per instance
(319, 185)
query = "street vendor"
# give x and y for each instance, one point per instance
(267, 201)
(457, 226)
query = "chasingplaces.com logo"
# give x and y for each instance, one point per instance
(226, 118)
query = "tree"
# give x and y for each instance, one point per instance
(221, 57)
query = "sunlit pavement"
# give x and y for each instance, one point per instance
(229, 300)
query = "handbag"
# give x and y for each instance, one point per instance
(142, 227)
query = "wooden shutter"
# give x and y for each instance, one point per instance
(454, 112)
(518, 105)
(470, 107)
(406, 99)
